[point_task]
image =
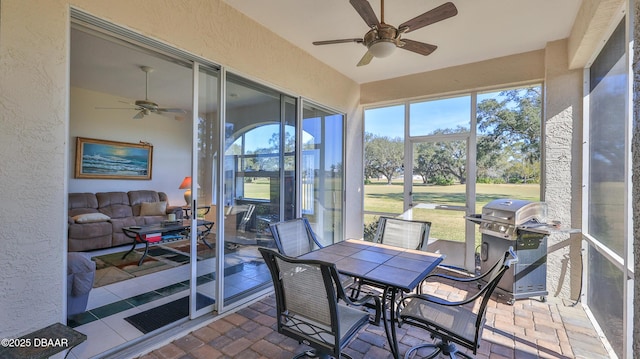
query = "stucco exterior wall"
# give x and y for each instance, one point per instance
(34, 94)
(33, 140)
(514, 69)
(562, 168)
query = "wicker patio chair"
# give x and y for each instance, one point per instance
(458, 322)
(312, 306)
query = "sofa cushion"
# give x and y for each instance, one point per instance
(82, 200)
(114, 204)
(153, 208)
(137, 198)
(91, 218)
(84, 231)
(80, 203)
(118, 237)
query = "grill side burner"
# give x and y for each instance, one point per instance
(519, 224)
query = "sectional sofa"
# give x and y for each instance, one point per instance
(96, 219)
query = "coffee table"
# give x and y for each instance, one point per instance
(138, 233)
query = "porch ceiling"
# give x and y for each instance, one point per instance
(482, 30)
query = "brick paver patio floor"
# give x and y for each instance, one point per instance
(529, 328)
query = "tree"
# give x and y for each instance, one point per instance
(452, 155)
(383, 156)
(425, 163)
(510, 125)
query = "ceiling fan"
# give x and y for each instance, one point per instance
(146, 107)
(382, 40)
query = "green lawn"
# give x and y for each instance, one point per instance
(258, 188)
(445, 224)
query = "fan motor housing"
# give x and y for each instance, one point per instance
(383, 32)
(147, 105)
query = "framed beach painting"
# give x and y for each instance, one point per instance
(112, 160)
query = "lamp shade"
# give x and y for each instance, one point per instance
(186, 183)
(382, 48)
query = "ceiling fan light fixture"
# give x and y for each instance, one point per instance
(382, 47)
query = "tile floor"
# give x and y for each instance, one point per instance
(527, 329)
(104, 322)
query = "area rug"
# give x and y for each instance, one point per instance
(111, 268)
(162, 315)
(203, 251)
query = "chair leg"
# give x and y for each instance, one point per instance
(311, 353)
(450, 349)
(435, 353)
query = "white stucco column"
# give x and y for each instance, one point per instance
(562, 168)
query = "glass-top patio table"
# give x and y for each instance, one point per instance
(139, 233)
(391, 268)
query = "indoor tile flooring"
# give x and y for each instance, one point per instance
(104, 322)
(529, 328)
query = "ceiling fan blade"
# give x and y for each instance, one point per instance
(340, 41)
(172, 110)
(432, 16)
(115, 108)
(366, 12)
(366, 59)
(139, 115)
(418, 47)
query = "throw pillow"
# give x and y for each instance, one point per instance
(153, 208)
(91, 218)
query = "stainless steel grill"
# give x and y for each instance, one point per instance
(522, 225)
(505, 217)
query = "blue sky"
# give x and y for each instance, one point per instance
(425, 116)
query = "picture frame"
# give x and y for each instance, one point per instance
(104, 159)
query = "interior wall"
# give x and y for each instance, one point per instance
(171, 142)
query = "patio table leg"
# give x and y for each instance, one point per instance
(389, 323)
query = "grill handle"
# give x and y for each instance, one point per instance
(489, 217)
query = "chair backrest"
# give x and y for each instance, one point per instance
(306, 300)
(492, 278)
(246, 217)
(453, 321)
(294, 237)
(404, 233)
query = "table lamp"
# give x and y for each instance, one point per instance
(186, 184)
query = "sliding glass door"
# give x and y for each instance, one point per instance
(322, 172)
(204, 239)
(258, 180)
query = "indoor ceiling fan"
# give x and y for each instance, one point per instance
(382, 39)
(146, 107)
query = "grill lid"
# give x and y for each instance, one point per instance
(514, 212)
